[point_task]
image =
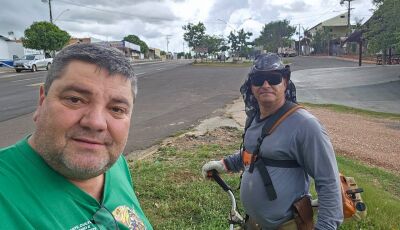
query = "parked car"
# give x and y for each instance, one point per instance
(33, 62)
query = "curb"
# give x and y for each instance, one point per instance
(344, 59)
(233, 113)
(6, 70)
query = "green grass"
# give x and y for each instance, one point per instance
(346, 109)
(174, 195)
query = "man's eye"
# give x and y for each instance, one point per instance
(74, 100)
(118, 110)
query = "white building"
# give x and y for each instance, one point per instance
(11, 49)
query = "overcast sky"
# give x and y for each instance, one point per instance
(152, 21)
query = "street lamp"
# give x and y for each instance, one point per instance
(51, 15)
(61, 14)
(230, 25)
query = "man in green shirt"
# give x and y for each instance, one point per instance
(69, 174)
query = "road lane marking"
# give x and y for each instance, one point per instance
(140, 73)
(36, 84)
(18, 74)
(26, 79)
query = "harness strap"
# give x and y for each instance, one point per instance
(269, 187)
(274, 121)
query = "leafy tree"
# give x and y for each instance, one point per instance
(45, 36)
(238, 41)
(320, 41)
(162, 52)
(382, 29)
(194, 34)
(213, 43)
(275, 34)
(136, 40)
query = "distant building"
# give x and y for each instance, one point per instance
(84, 40)
(337, 30)
(129, 49)
(154, 53)
(11, 49)
(337, 26)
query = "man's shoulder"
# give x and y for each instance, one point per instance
(300, 116)
(302, 119)
(9, 154)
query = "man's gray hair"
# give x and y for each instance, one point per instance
(109, 58)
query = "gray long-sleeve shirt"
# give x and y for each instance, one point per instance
(302, 138)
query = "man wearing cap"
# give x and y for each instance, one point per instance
(297, 149)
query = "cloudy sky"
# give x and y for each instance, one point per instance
(153, 21)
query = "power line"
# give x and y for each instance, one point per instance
(114, 11)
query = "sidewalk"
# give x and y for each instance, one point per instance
(347, 59)
(6, 70)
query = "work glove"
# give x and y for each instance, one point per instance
(217, 165)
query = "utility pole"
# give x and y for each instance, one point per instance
(348, 13)
(183, 49)
(348, 21)
(299, 47)
(51, 15)
(167, 37)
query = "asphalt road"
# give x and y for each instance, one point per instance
(171, 96)
(19, 91)
(369, 87)
(174, 96)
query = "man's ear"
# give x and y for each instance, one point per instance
(285, 82)
(42, 96)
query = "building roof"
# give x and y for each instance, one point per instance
(355, 36)
(5, 38)
(339, 20)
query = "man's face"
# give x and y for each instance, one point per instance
(82, 124)
(270, 94)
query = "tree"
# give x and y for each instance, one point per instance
(382, 28)
(136, 40)
(45, 36)
(275, 34)
(212, 43)
(238, 41)
(194, 34)
(320, 41)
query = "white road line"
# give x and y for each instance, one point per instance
(26, 79)
(137, 74)
(36, 84)
(15, 75)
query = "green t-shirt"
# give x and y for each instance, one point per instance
(34, 196)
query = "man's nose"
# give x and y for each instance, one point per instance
(95, 119)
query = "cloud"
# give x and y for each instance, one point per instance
(153, 20)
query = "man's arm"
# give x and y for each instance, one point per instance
(234, 162)
(316, 155)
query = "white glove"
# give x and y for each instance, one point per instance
(217, 165)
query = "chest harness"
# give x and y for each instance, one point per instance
(255, 160)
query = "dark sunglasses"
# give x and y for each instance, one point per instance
(258, 79)
(104, 219)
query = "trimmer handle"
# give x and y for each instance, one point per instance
(214, 174)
